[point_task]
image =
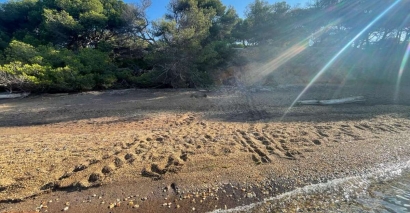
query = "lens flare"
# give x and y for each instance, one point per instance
(290, 53)
(402, 67)
(326, 67)
(280, 60)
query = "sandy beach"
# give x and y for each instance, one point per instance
(183, 151)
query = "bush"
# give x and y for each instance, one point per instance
(52, 69)
(148, 80)
(22, 77)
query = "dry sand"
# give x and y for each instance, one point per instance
(169, 150)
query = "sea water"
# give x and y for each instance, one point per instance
(384, 196)
(385, 190)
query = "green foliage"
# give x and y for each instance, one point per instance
(16, 15)
(193, 41)
(264, 23)
(4, 40)
(97, 44)
(25, 53)
(48, 68)
(78, 7)
(21, 76)
(88, 69)
(148, 80)
(74, 45)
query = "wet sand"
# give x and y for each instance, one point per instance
(175, 150)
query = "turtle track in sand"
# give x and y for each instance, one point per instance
(170, 146)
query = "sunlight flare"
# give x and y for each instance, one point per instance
(274, 64)
(401, 70)
(330, 63)
(290, 53)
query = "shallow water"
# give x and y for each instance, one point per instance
(386, 190)
(385, 196)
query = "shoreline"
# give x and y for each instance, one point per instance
(384, 173)
(121, 146)
(223, 198)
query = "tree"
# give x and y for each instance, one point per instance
(193, 40)
(10, 80)
(264, 23)
(18, 76)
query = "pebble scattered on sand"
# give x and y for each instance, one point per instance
(250, 195)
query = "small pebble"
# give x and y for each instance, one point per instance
(178, 206)
(65, 208)
(136, 206)
(94, 195)
(130, 203)
(111, 206)
(193, 208)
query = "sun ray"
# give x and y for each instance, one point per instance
(401, 70)
(326, 67)
(290, 53)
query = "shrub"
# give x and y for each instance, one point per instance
(52, 69)
(22, 77)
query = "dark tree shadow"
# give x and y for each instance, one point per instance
(229, 105)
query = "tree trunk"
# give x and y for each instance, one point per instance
(406, 40)
(398, 36)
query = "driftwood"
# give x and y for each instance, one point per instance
(13, 95)
(333, 101)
